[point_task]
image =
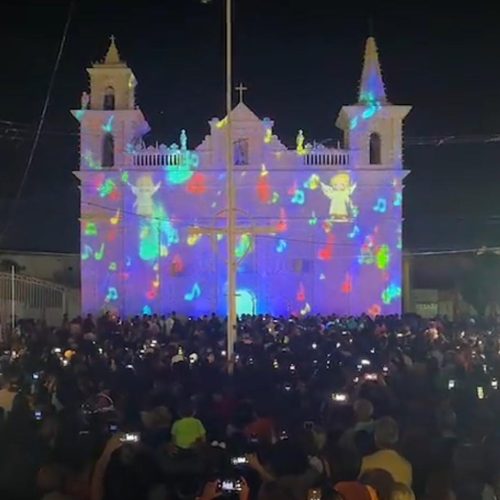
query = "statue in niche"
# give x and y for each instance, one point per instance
(144, 191)
(183, 140)
(85, 100)
(339, 192)
(241, 152)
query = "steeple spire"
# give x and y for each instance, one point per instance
(112, 56)
(372, 87)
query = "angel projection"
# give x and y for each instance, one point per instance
(150, 219)
(340, 192)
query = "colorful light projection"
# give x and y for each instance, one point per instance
(333, 252)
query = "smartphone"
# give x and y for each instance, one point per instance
(36, 376)
(339, 397)
(283, 436)
(112, 428)
(308, 426)
(365, 362)
(241, 460)
(276, 364)
(292, 367)
(230, 485)
(451, 384)
(288, 387)
(494, 384)
(130, 437)
(480, 392)
(37, 414)
(193, 358)
(314, 494)
(371, 376)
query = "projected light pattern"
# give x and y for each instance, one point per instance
(333, 216)
(337, 244)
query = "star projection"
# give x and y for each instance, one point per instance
(333, 215)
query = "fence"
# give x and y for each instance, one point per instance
(33, 298)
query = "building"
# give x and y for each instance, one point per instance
(331, 216)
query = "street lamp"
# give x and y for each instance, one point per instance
(232, 263)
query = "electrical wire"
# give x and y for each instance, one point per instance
(277, 237)
(40, 122)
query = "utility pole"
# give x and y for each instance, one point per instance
(232, 230)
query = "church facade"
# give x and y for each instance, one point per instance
(332, 216)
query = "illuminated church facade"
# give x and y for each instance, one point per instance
(333, 215)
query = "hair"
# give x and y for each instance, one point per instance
(401, 492)
(274, 491)
(363, 409)
(386, 432)
(186, 409)
(380, 480)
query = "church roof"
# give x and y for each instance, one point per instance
(242, 113)
(372, 87)
(112, 57)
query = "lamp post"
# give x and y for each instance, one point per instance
(232, 264)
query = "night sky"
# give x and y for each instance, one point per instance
(301, 61)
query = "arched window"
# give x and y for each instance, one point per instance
(375, 149)
(108, 150)
(109, 99)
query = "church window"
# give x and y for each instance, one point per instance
(108, 150)
(241, 152)
(375, 149)
(109, 99)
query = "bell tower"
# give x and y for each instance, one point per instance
(111, 123)
(373, 126)
(110, 126)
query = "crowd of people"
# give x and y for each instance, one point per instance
(310, 408)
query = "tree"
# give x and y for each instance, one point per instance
(480, 283)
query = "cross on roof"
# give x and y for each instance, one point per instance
(241, 88)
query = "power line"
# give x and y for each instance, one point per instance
(41, 121)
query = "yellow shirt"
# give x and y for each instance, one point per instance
(187, 431)
(390, 461)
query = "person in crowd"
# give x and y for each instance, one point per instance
(188, 432)
(104, 408)
(387, 458)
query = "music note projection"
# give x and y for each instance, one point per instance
(301, 293)
(99, 254)
(374, 311)
(281, 247)
(306, 309)
(313, 220)
(326, 252)
(282, 225)
(112, 266)
(192, 239)
(87, 252)
(112, 294)
(151, 294)
(116, 218)
(322, 277)
(264, 192)
(398, 199)
(276, 197)
(299, 197)
(193, 294)
(380, 206)
(90, 229)
(354, 232)
(347, 284)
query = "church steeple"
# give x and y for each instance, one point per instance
(371, 88)
(112, 56)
